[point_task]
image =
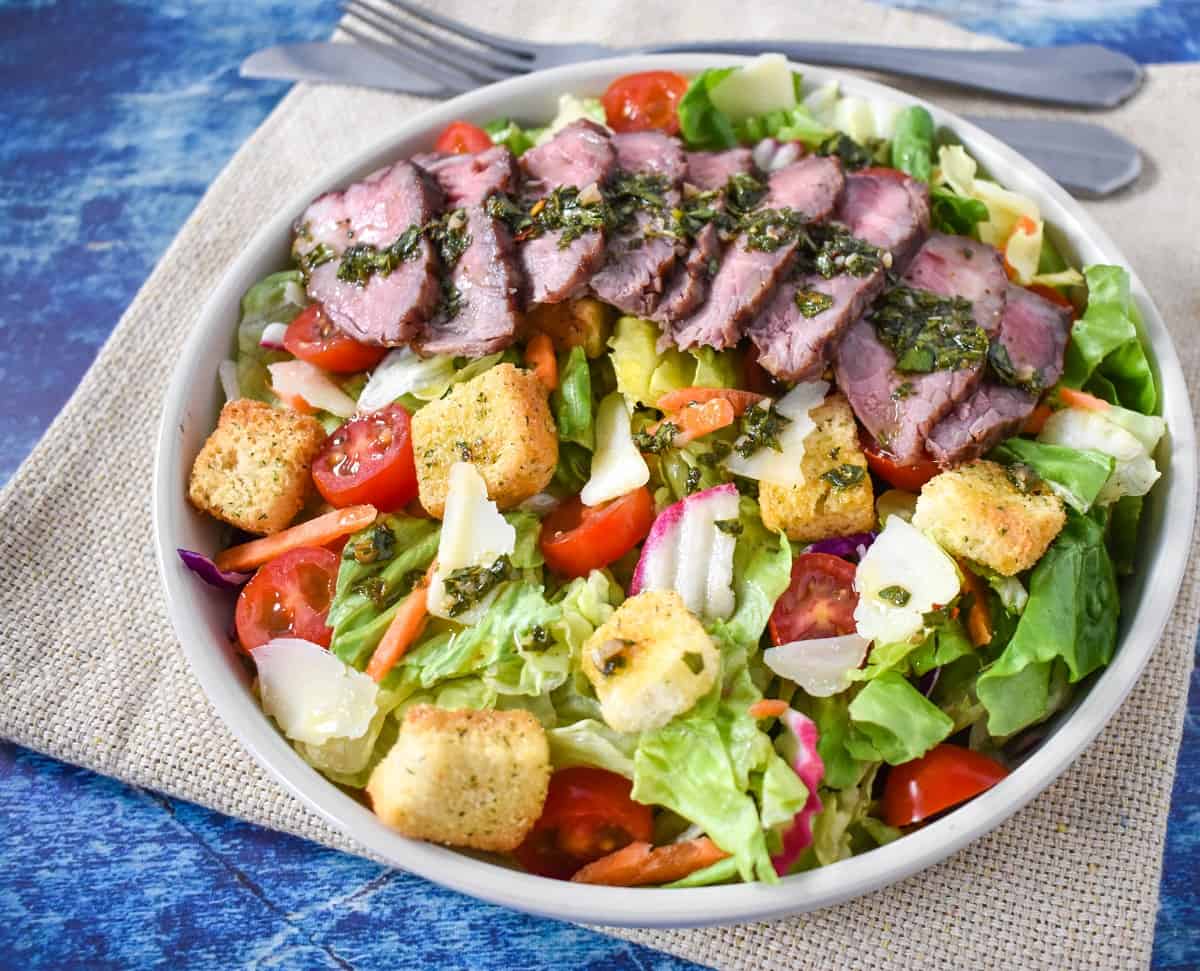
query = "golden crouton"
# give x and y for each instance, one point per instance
(464, 778)
(585, 323)
(836, 497)
(500, 422)
(651, 661)
(982, 512)
(253, 472)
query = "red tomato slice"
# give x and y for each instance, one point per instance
(588, 814)
(943, 777)
(910, 478)
(641, 102)
(819, 602)
(288, 597)
(577, 539)
(313, 337)
(462, 138)
(369, 459)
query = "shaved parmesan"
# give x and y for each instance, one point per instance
(299, 379)
(783, 466)
(617, 465)
(903, 576)
(820, 666)
(311, 694)
(474, 534)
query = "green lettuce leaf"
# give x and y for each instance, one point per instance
(701, 124)
(571, 401)
(591, 742)
(1105, 345)
(762, 570)
(912, 143)
(1123, 533)
(1076, 475)
(274, 299)
(955, 214)
(844, 826)
(1071, 617)
(891, 720)
(506, 132)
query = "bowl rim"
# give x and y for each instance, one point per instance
(822, 887)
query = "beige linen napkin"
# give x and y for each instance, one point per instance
(90, 671)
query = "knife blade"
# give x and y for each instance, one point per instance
(1086, 159)
(338, 64)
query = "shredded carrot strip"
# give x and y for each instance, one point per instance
(1035, 422)
(640, 864)
(697, 420)
(682, 397)
(539, 355)
(1073, 398)
(296, 403)
(979, 617)
(409, 621)
(316, 532)
(768, 708)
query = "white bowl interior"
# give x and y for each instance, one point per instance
(202, 616)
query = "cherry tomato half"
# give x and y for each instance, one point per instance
(313, 337)
(943, 777)
(288, 597)
(577, 539)
(819, 602)
(369, 459)
(588, 814)
(462, 138)
(641, 102)
(909, 478)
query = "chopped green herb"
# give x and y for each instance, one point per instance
(716, 455)
(1001, 365)
(468, 585)
(851, 153)
(694, 661)
(812, 302)
(832, 250)
(321, 253)
(902, 391)
(464, 450)
(844, 476)
(895, 595)
(733, 527)
(1023, 478)
(760, 427)
(362, 261)
(928, 332)
(537, 639)
(692, 482)
(377, 546)
(660, 441)
(766, 230)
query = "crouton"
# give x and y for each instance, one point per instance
(836, 497)
(500, 422)
(984, 513)
(585, 323)
(464, 778)
(651, 661)
(253, 472)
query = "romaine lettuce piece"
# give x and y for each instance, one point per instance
(891, 720)
(1076, 475)
(571, 401)
(912, 143)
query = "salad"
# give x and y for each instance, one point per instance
(718, 482)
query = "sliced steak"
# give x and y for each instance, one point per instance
(478, 313)
(901, 409)
(955, 266)
(794, 346)
(1033, 333)
(747, 276)
(636, 263)
(469, 179)
(580, 155)
(688, 285)
(891, 213)
(383, 308)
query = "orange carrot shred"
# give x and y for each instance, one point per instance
(682, 397)
(641, 864)
(698, 420)
(979, 616)
(1035, 422)
(406, 627)
(316, 532)
(1074, 398)
(768, 708)
(539, 355)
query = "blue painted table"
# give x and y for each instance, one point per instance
(101, 159)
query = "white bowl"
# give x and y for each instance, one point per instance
(201, 616)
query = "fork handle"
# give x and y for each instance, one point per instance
(1085, 75)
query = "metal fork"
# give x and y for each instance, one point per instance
(462, 57)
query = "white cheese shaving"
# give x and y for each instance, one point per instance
(474, 533)
(617, 465)
(311, 694)
(917, 576)
(783, 467)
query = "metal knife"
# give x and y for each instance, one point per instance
(1086, 159)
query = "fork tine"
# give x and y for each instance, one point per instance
(474, 74)
(454, 81)
(509, 44)
(471, 55)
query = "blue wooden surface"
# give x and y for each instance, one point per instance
(114, 118)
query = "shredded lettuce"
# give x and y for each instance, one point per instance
(1076, 475)
(890, 720)
(571, 401)
(1105, 353)
(274, 299)
(1071, 617)
(844, 826)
